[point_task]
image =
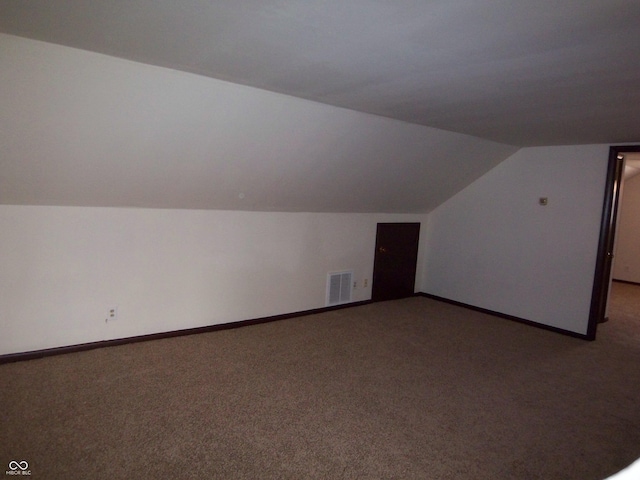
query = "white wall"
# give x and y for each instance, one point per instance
(61, 268)
(493, 246)
(627, 259)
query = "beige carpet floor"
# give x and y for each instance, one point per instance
(408, 389)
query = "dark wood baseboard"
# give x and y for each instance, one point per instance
(507, 317)
(18, 357)
(625, 281)
(31, 355)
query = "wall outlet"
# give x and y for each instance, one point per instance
(112, 314)
(355, 284)
(366, 282)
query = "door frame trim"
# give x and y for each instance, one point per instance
(606, 242)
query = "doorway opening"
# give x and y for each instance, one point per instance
(606, 246)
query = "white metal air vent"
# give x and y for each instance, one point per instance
(339, 287)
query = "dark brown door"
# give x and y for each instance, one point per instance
(394, 266)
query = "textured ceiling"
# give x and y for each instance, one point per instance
(531, 72)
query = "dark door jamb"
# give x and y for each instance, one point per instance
(604, 259)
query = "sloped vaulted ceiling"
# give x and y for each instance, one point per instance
(416, 99)
(79, 128)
